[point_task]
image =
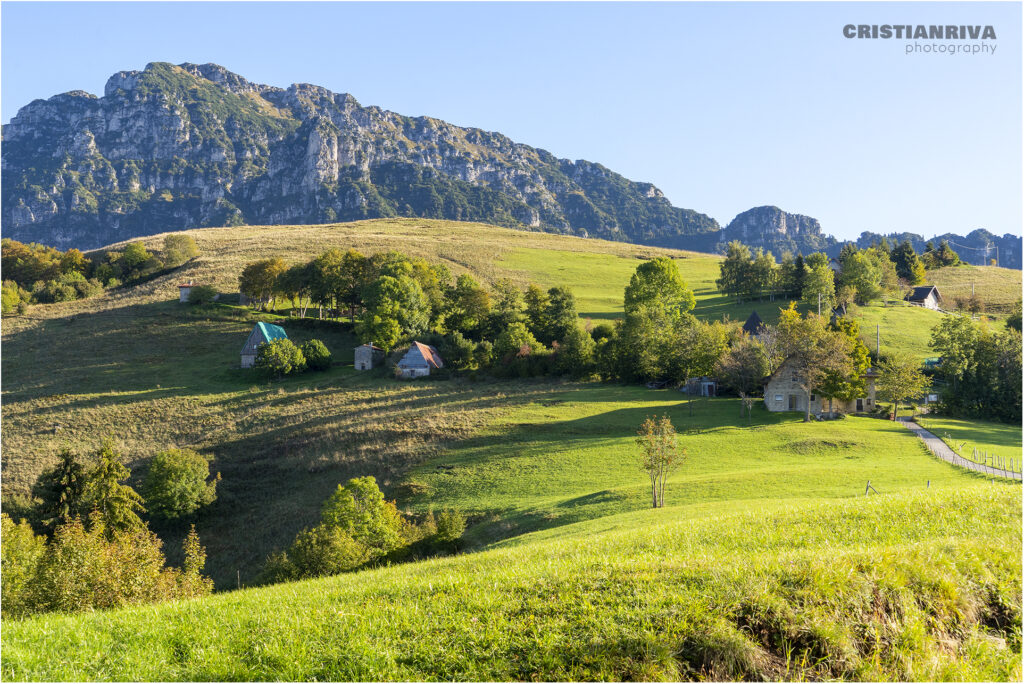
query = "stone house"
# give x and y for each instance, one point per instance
(420, 360)
(368, 356)
(261, 333)
(783, 392)
(925, 295)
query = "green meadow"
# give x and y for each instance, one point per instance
(768, 561)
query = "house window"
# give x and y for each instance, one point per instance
(795, 379)
(812, 397)
(778, 397)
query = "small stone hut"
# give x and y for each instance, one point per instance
(368, 356)
(184, 290)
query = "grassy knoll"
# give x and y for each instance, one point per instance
(999, 288)
(915, 586)
(968, 435)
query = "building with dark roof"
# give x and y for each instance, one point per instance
(754, 325)
(925, 295)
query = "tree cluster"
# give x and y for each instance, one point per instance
(864, 275)
(980, 369)
(86, 547)
(37, 274)
(393, 299)
(358, 528)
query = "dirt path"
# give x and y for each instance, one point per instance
(942, 450)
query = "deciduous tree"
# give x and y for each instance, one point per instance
(659, 454)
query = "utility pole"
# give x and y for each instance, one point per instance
(819, 303)
(972, 288)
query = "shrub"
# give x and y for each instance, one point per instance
(89, 568)
(201, 294)
(176, 484)
(450, 526)
(279, 358)
(178, 249)
(21, 552)
(318, 356)
(357, 526)
(457, 351)
(602, 331)
(317, 552)
(483, 355)
(358, 507)
(14, 298)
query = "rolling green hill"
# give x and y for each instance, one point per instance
(768, 563)
(921, 586)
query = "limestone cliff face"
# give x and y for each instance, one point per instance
(187, 146)
(778, 231)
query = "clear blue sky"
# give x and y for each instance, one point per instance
(722, 106)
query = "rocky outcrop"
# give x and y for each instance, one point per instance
(191, 145)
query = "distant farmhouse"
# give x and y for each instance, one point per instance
(367, 356)
(784, 393)
(925, 295)
(420, 360)
(184, 290)
(754, 325)
(261, 332)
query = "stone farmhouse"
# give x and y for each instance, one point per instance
(925, 295)
(368, 356)
(783, 392)
(261, 333)
(420, 360)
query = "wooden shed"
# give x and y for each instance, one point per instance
(261, 333)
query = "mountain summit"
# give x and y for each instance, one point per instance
(191, 145)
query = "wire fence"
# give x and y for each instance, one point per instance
(990, 464)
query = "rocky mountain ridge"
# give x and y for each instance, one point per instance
(185, 146)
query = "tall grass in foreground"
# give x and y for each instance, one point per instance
(916, 586)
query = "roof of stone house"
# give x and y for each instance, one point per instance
(754, 324)
(371, 346)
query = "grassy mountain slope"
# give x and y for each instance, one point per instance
(137, 367)
(916, 586)
(768, 563)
